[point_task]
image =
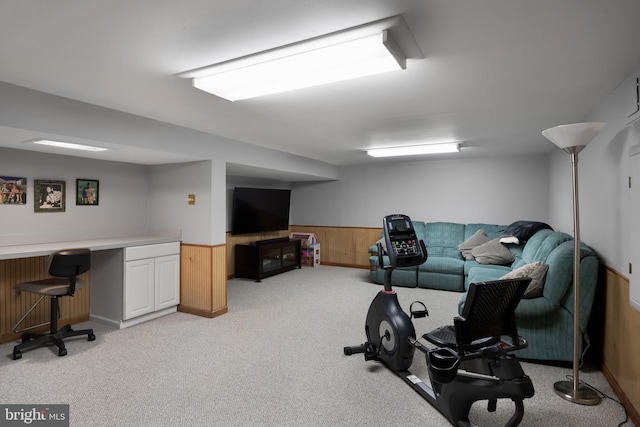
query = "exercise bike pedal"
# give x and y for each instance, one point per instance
(348, 351)
(367, 348)
(418, 313)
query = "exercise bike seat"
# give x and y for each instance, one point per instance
(488, 315)
(445, 336)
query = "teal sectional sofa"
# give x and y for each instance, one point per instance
(546, 321)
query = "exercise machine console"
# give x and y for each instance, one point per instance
(401, 240)
(469, 361)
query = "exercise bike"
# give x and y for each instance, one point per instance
(470, 360)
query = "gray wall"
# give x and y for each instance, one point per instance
(169, 188)
(123, 195)
(603, 182)
(491, 190)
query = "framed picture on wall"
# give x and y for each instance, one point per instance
(87, 192)
(49, 195)
(13, 190)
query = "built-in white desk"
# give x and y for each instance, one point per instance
(44, 249)
(132, 278)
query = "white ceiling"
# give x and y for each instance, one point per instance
(495, 74)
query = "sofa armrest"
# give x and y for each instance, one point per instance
(588, 283)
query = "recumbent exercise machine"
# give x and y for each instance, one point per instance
(471, 360)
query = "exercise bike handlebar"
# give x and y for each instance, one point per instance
(422, 258)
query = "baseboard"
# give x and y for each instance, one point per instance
(634, 416)
(338, 264)
(136, 320)
(105, 321)
(203, 313)
(332, 264)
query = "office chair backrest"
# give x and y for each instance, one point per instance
(489, 311)
(69, 263)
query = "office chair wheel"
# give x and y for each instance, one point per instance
(16, 355)
(62, 352)
(91, 337)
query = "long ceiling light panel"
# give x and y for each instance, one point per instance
(69, 145)
(414, 150)
(358, 52)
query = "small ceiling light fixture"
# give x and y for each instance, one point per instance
(365, 50)
(415, 150)
(69, 145)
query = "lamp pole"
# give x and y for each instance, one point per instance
(571, 390)
(573, 139)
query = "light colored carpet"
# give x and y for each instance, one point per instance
(275, 359)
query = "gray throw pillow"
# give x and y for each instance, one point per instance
(492, 252)
(536, 271)
(384, 245)
(476, 240)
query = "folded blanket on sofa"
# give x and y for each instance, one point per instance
(520, 231)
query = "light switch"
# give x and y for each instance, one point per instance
(191, 199)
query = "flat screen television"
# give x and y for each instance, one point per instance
(255, 210)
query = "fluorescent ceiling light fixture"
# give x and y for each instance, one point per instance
(358, 52)
(415, 150)
(68, 145)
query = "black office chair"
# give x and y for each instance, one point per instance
(65, 266)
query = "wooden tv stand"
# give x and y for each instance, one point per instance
(260, 260)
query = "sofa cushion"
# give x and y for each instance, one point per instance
(444, 265)
(404, 276)
(442, 239)
(536, 271)
(483, 273)
(476, 240)
(492, 252)
(540, 246)
(554, 240)
(560, 275)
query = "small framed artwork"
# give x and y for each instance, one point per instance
(13, 190)
(87, 192)
(49, 195)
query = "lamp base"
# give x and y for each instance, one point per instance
(584, 396)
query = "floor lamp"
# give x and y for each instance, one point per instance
(572, 139)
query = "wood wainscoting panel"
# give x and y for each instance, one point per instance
(342, 246)
(203, 280)
(621, 344)
(14, 305)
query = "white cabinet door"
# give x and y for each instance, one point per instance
(167, 269)
(139, 284)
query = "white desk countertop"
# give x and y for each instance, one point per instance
(43, 249)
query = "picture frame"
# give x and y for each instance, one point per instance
(13, 190)
(87, 192)
(49, 195)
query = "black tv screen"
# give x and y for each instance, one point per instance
(256, 210)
